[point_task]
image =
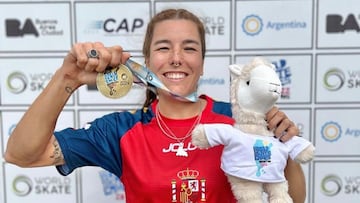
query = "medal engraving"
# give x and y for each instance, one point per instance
(115, 82)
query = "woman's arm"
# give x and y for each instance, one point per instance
(296, 180)
(32, 142)
(285, 129)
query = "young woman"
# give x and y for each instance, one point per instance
(141, 147)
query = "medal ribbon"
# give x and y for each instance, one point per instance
(148, 77)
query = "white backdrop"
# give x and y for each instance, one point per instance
(315, 45)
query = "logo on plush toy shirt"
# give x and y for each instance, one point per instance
(262, 153)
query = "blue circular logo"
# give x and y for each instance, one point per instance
(331, 131)
(252, 25)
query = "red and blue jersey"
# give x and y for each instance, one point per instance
(132, 146)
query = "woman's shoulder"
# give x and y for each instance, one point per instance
(120, 121)
(128, 117)
(216, 106)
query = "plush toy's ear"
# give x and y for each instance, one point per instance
(236, 69)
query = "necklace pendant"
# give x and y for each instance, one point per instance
(180, 151)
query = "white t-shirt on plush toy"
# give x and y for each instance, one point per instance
(253, 157)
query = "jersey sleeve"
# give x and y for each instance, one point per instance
(98, 144)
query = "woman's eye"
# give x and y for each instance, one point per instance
(163, 48)
(190, 49)
(248, 82)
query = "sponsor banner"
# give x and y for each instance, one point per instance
(337, 128)
(33, 185)
(337, 78)
(338, 24)
(216, 16)
(11, 118)
(99, 185)
(295, 74)
(35, 26)
(314, 45)
(23, 79)
(112, 23)
(336, 181)
(273, 24)
(216, 79)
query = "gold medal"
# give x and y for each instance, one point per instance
(115, 82)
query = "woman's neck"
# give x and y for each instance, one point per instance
(177, 109)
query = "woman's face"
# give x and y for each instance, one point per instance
(176, 41)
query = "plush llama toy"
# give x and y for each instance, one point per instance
(252, 159)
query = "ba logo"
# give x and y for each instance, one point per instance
(336, 23)
(14, 28)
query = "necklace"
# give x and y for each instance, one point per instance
(170, 134)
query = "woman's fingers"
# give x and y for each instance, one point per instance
(283, 128)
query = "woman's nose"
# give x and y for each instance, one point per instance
(177, 54)
(176, 58)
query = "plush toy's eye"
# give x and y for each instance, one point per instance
(248, 82)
